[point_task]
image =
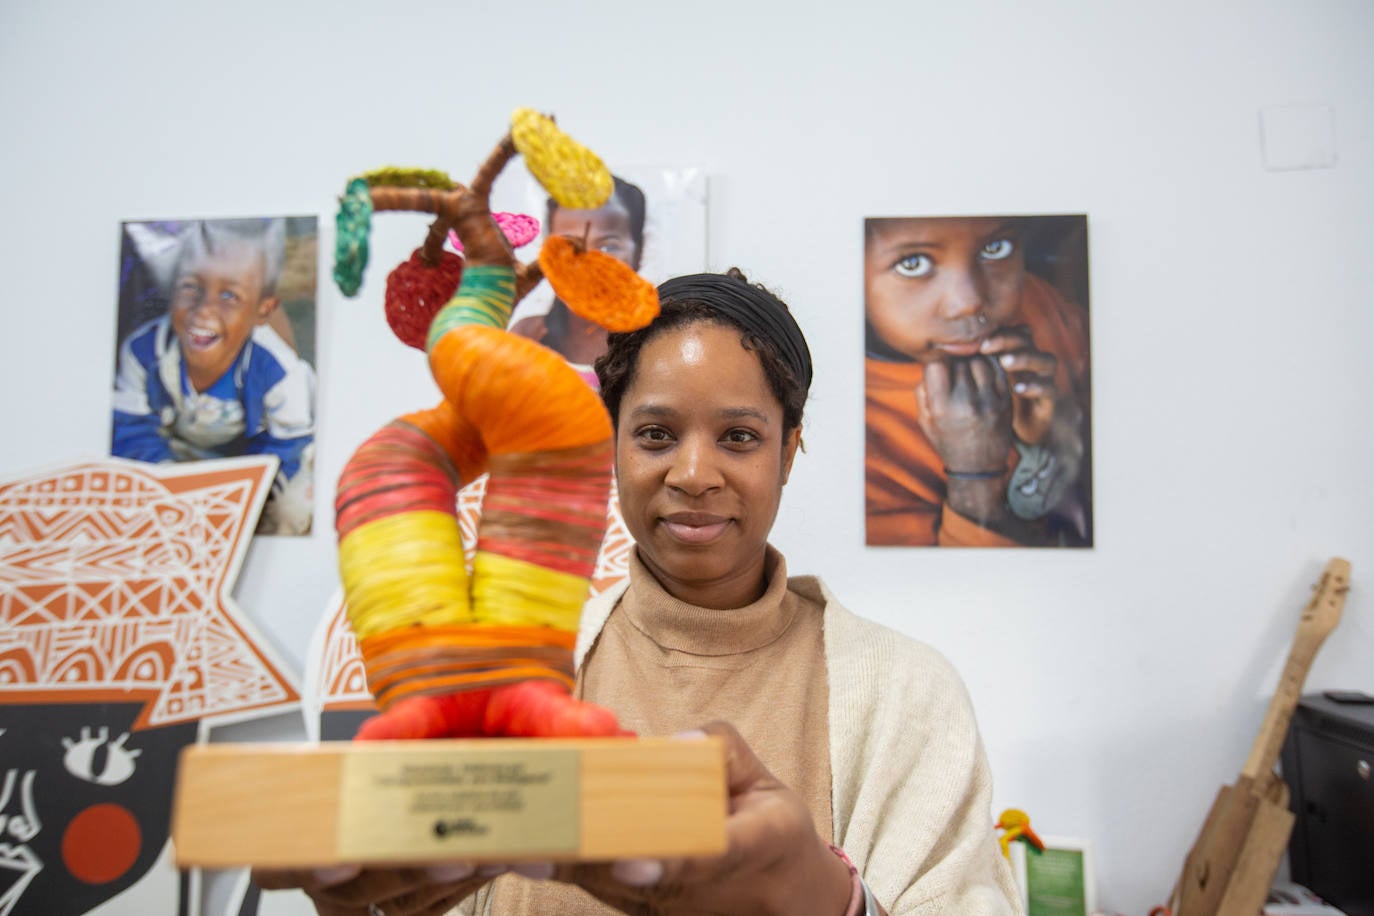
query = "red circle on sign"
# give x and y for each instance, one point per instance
(101, 843)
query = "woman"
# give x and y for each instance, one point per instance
(707, 404)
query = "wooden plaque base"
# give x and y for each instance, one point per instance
(496, 800)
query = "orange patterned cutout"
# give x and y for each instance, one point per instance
(114, 584)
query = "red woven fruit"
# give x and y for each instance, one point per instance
(416, 291)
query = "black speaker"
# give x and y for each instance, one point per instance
(1327, 760)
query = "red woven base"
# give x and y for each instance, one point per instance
(528, 709)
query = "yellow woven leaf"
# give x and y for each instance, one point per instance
(572, 174)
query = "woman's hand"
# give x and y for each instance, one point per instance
(351, 891)
(775, 861)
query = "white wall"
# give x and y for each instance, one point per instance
(1231, 311)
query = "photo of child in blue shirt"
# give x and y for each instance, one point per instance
(211, 377)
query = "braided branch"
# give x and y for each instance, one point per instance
(486, 175)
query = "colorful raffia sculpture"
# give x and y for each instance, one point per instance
(1017, 826)
(450, 654)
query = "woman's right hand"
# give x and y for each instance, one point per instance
(775, 862)
(350, 891)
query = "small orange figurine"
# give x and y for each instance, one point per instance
(1016, 823)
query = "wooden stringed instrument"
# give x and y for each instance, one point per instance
(1231, 865)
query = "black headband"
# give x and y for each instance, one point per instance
(756, 310)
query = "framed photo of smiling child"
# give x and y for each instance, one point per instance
(216, 350)
(977, 382)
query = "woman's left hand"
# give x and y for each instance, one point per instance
(775, 861)
(395, 891)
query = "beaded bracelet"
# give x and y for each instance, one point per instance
(861, 902)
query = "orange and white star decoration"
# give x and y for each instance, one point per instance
(115, 580)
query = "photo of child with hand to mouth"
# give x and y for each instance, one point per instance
(977, 382)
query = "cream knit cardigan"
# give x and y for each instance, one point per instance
(911, 790)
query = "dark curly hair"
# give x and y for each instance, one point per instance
(615, 369)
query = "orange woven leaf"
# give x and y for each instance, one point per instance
(598, 287)
(572, 174)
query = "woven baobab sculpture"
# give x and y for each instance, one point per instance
(450, 653)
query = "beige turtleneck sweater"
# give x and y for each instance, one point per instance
(872, 728)
(760, 667)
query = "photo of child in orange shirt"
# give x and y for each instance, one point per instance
(976, 382)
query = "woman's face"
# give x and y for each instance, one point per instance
(701, 458)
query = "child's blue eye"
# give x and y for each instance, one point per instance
(914, 265)
(998, 250)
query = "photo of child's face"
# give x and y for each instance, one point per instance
(217, 300)
(936, 288)
(607, 229)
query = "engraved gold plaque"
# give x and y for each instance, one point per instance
(436, 806)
